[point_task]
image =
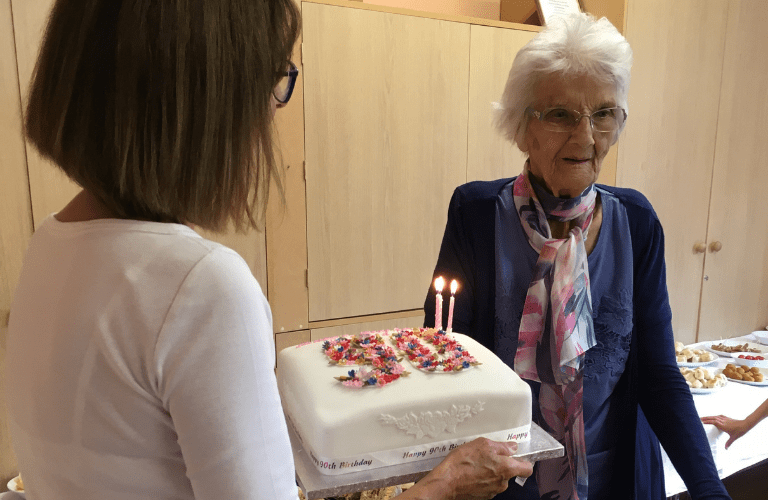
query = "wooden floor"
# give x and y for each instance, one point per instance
(749, 484)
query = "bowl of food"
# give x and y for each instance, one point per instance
(761, 336)
(749, 359)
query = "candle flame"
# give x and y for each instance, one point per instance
(454, 286)
(439, 282)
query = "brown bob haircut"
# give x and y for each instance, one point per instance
(162, 108)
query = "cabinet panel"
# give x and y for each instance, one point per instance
(15, 210)
(490, 155)
(734, 299)
(287, 226)
(668, 145)
(386, 144)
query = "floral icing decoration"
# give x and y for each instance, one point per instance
(364, 349)
(453, 357)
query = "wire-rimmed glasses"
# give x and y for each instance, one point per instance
(566, 120)
(284, 87)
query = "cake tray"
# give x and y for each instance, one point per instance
(316, 485)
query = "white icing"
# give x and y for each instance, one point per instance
(433, 423)
(344, 425)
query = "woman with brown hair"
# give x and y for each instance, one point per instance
(140, 355)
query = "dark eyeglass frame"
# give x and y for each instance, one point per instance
(292, 74)
(539, 115)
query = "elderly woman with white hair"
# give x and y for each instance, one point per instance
(564, 279)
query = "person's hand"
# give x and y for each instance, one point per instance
(477, 470)
(734, 428)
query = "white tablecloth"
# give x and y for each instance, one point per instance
(735, 400)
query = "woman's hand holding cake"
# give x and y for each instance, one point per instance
(477, 470)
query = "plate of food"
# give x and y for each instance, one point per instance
(691, 358)
(728, 347)
(746, 375)
(16, 485)
(703, 381)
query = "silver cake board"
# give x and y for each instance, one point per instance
(316, 485)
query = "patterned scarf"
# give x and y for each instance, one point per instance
(556, 328)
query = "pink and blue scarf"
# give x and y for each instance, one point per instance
(556, 328)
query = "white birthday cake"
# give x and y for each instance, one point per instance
(384, 398)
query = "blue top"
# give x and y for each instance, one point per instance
(486, 250)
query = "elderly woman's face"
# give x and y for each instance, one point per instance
(568, 162)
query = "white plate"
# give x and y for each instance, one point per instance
(763, 349)
(761, 336)
(13, 486)
(764, 383)
(711, 389)
(696, 365)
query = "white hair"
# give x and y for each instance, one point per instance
(571, 45)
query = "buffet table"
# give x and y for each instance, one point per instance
(735, 400)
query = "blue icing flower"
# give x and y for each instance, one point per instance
(351, 373)
(465, 364)
(425, 364)
(371, 381)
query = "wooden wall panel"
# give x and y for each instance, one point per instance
(287, 226)
(15, 210)
(51, 190)
(734, 299)
(491, 156)
(386, 144)
(668, 145)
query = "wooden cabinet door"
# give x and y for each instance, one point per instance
(668, 144)
(386, 144)
(734, 298)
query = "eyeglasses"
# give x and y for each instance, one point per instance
(566, 120)
(284, 87)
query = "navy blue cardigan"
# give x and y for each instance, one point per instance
(651, 389)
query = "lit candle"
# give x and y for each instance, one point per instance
(439, 282)
(454, 286)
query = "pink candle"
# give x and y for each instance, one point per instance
(439, 282)
(454, 286)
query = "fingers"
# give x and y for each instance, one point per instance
(521, 468)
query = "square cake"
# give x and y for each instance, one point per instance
(384, 398)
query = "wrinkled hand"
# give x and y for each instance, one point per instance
(477, 470)
(734, 428)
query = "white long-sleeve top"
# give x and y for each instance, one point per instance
(140, 365)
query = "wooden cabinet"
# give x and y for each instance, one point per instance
(386, 143)
(734, 295)
(693, 145)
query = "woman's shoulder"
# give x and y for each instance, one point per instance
(483, 189)
(637, 206)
